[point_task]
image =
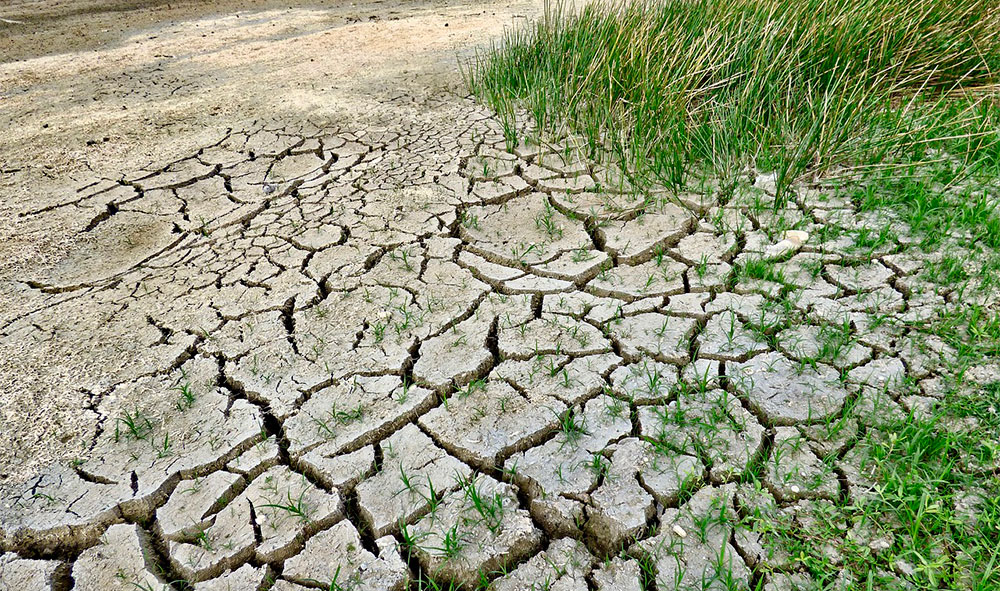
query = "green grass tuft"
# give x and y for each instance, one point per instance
(719, 87)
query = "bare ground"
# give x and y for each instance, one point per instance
(157, 84)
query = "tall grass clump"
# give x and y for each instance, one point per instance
(672, 88)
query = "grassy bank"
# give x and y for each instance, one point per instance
(677, 88)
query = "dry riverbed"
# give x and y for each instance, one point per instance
(280, 309)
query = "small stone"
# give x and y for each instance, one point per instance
(799, 237)
(781, 249)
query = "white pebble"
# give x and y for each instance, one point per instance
(797, 236)
(680, 531)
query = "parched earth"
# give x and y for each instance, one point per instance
(358, 352)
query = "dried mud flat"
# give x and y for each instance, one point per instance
(302, 320)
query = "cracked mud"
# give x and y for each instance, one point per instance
(374, 354)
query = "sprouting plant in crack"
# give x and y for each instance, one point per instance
(521, 251)
(318, 347)
(143, 586)
(654, 379)
(566, 381)
(378, 329)
(650, 281)
(763, 270)
(336, 584)
(701, 269)
(580, 336)
(164, 450)
(201, 539)
(702, 379)
(402, 254)
(406, 321)
(663, 329)
(294, 506)
(337, 418)
(560, 569)
(508, 321)
(410, 539)
(598, 465)
(49, 499)
(408, 485)
(468, 220)
(489, 507)
(510, 471)
(869, 240)
(723, 571)
(559, 473)
(647, 572)
(460, 341)
(603, 271)
(136, 425)
(659, 252)
(432, 497)
(615, 407)
(124, 577)
(187, 397)
(551, 366)
(716, 515)
(452, 542)
(730, 331)
(404, 391)
(571, 426)
(581, 254)
(472, 387)
(545, 221)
